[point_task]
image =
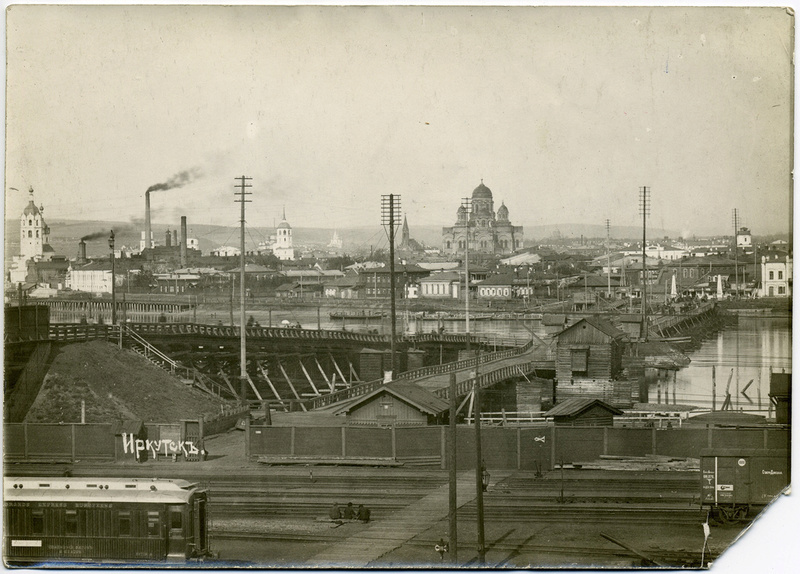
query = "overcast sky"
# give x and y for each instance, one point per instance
(563, 112)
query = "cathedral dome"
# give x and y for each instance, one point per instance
(482, 192)
(502, 213)
(284, 225)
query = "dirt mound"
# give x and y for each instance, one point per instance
(115, 384)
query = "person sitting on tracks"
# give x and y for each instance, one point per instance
(335, 512)
(363, 513)
(349, 512)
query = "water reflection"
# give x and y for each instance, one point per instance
(744, 352)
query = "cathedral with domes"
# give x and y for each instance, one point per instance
(489, 233)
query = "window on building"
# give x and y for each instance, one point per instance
(780, 274)
(579, 361)
(153, 523)
(37, 233)
(30, 234)
(771, 275)
(37, 522)
(176, 520)
(124, 521)
(781, 290)
(71, 523)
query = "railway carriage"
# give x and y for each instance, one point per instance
(103, 520)
(736, 483)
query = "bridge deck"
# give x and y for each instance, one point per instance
(442, 380)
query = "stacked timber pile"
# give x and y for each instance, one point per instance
(638, 463)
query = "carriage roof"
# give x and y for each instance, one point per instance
(140, 490)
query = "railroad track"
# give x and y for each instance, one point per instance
(510, 547)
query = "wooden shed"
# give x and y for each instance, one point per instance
(583, 412)
(780, 395)
(590, 349)
(400, 403)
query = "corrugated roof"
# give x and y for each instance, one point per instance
(572, 407)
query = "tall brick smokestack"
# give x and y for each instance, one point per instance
(81, 252)
(175, 237)
(168, 238)
(147, 231)
(184, 241)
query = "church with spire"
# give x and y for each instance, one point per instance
(489, 232)
(284, 248)
(34, 242)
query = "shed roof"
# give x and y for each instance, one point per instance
(576, 406)
(409, 392)
(600, 324)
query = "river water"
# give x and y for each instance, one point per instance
(746, 351)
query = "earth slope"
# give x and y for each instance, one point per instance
(115, 385)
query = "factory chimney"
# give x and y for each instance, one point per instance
(175, 237)
(184, 241)
(168, 238)
(147, 231)
(81, 252)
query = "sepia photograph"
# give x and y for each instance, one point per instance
(398, 287)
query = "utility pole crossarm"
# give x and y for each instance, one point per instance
(242, 194)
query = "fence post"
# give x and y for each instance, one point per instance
(443, 449)
(72, 432)
(291, 442)
(519, 448)
(653, 439)
(247, 438)
(394, 442)
(553, 447)
(344, 441)
(605, 441)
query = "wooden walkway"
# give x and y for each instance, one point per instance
(386, 534)
(441, 381)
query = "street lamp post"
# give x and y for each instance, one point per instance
(113, 286)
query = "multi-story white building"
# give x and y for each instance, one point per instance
(776, 274)
(744, 239)
(93, 277)
(284, 249)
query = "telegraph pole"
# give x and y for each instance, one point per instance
(644, 208)
(390, 218)
(735, 218)
(479, 467)
(608, 254)
(467, 204)
(241, 198)
(453, 472)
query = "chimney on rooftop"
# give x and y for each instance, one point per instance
(147, 231)
(81, 252)
(184, 241)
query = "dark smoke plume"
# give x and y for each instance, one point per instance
(178, 180)
(95, 235)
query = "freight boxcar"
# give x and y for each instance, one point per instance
(103, 520)
(737, 483)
